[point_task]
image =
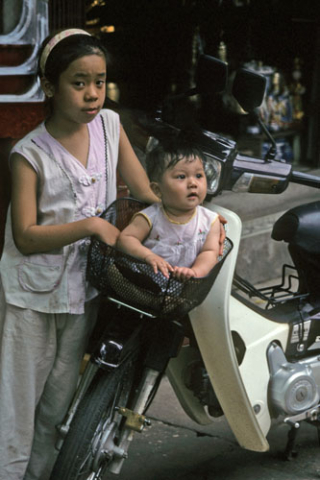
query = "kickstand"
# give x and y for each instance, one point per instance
(290, 451)
(315, 423)
(318, 431)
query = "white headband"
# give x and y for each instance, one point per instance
(56, 39)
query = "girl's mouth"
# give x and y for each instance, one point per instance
(92, 111)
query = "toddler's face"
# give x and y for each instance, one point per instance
(184, 186)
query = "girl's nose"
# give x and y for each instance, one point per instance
(91, 93)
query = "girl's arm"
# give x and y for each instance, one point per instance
(207, 257)
(130, 241)
(132, 172)
(32, 238)
(223, 235)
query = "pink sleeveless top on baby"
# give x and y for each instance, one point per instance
(179, 244)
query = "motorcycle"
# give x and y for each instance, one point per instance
(249, 362)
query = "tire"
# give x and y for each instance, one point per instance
(81, 454)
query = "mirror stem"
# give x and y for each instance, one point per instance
(273, 149)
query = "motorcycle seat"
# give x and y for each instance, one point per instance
(300, 227)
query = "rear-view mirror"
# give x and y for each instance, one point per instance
(248, 89)
(211, 76)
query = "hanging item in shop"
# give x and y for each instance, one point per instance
(297, 90)
(279, 104)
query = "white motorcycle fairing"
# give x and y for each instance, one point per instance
(241, 390)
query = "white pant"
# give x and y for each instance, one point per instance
(40, 357)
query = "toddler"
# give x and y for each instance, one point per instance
(176, 235)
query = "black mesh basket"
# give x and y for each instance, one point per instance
(134, 282)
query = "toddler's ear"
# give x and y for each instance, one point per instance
(155, 188)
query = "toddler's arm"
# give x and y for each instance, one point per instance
(33, 238)
(206, 259)
(130, 241)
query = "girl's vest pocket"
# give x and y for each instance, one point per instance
(41, 273)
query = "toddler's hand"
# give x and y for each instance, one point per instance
(183, 273)
(159, 264)
(222, 238)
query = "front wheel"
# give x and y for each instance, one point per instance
(92, 440)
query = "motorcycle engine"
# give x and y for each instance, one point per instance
(293, 387)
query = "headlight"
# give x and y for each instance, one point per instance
(212, 170)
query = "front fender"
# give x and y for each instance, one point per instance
(210, 322)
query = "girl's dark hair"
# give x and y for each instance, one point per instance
(167, 154)
(66, 51)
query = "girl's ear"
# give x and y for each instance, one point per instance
(47, 87)
(156, 189)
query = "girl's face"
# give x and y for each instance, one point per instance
(80, 94)
(183, 187)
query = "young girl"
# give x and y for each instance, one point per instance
(177, 235)
(64, 175)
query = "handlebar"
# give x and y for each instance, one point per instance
(305, 179)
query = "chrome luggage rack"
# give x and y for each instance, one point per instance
(284, 291)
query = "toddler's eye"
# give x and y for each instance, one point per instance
(181, 176)
(199, 175)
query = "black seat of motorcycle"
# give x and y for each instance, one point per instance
(300, 226)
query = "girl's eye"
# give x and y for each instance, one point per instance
(181, 176)
(100, 83)
(79, 84)
(199, 175)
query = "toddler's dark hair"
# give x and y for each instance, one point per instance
(167, 154)
(66, 51)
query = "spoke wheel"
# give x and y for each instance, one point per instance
(92, 440)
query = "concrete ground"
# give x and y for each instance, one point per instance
(175, 448)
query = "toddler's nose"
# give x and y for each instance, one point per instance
(193, 182)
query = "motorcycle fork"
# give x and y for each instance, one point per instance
(112, 349)
(164, 342)
(86, 380)
(121, 339)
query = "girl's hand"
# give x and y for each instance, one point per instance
(222, 238)
(158, 264)
(183, 273)
(106, 232)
